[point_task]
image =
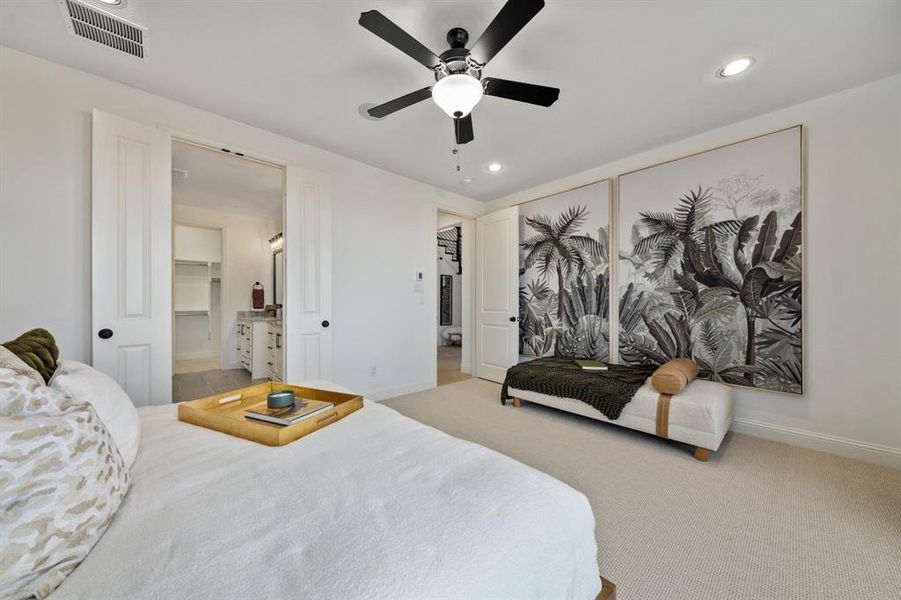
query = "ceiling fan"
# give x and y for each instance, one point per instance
(458, 71)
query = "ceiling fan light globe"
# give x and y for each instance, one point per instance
(457, 94)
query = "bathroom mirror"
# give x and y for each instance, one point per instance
(278, 277)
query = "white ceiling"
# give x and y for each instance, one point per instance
(634, 75)
(224, 182)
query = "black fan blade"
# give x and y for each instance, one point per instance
(512, 17)
(383, 27)
(463, 129)
(383, 110)
(521, 92)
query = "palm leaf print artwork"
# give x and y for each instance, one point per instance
(564, 275)
(711, 268)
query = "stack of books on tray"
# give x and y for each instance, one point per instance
(592, 365)
(289, 415)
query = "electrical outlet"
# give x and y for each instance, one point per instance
(372, 371)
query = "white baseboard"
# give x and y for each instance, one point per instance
(191, 355)
(874, 453)
(386, 393)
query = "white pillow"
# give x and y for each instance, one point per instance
(112, 404)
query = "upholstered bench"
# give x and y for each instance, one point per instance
(699, 415)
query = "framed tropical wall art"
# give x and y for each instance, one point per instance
(710, 262)
(564, 273)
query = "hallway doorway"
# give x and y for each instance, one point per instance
(453, 339)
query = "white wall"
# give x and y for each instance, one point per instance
(852, 275)
(196, 243)
(247, 259)
(383, 234)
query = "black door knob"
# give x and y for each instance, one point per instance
(105, 334)
(513, 319)
(325, 323)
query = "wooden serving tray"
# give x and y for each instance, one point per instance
(225, 413)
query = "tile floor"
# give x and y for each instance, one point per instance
(193, 365)
(191, 386)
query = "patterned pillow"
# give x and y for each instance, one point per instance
(10, 364)
(61, 482)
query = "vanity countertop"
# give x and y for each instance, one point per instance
(253, 315)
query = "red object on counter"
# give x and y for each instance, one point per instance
(257, 296)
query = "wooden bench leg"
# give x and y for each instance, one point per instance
(608, 590)
(701, 454)
(517, 402)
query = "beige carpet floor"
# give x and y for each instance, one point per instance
(760, 520)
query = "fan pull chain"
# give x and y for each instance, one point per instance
(456, 152)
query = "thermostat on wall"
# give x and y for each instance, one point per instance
(418, 286)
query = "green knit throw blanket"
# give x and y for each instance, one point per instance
(607, 391)
(37, 349)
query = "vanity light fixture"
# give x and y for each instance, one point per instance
(277, 242)
(735, 67)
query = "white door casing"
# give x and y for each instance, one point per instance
(131, 253)
(497, 293)
(308, 276)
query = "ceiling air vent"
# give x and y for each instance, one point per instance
(97, 25)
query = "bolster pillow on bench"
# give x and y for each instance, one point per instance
(672, 377)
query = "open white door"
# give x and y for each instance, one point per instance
(497, 293)
(308, 276)
(131, 253)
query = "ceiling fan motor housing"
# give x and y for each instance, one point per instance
(456, 60)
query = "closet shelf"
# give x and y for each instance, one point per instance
(192, 313)
(183, 261)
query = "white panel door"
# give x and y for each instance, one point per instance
(497, 293)
(131, 253)
(308, 276)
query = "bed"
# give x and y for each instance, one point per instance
(375, 506)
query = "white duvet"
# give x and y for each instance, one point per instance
(375, 506)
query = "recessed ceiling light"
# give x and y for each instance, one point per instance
(736, 67)
(110, 2)
(495, 167)
(466, 180)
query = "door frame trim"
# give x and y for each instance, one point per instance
(467, 291)
(186, 137)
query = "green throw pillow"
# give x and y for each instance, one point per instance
(37, 349)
